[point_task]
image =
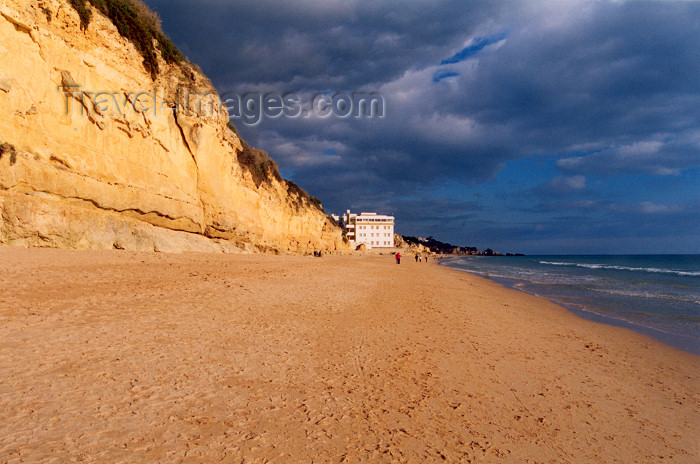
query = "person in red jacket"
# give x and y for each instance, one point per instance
(398, 258)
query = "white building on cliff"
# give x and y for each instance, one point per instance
(371, 229)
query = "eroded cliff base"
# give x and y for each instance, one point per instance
(39, 220)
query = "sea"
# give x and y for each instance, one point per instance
(656, 295)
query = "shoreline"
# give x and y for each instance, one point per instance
(678, 341)
(113, 355)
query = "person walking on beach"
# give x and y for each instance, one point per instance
(416, 258)
(398, 258)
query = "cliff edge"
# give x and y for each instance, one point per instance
(100, 148)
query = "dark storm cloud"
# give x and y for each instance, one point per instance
(602, 88)
(562, 79)
(610, 75)
(318, 44)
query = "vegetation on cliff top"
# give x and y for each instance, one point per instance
(137, 23)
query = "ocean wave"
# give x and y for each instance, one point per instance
(654, 270)
(647, 294)
(529, 277)
(649, 321)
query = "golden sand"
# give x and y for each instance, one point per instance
(129, 357)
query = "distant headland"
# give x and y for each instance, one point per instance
(436, 246)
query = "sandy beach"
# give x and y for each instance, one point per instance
(151, 357)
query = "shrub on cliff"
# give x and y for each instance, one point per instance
(137, 23)
(47, 13)
(301, 196)
(84, 12)
(264, 169)
(259, 164)
(7, 148)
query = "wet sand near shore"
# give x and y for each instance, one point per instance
(113, 356)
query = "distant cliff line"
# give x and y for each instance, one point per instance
(443, 248)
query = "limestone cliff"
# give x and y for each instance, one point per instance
(78, 174)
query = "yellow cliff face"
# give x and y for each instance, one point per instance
(126, 173)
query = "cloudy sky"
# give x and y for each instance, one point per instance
(529, 126)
